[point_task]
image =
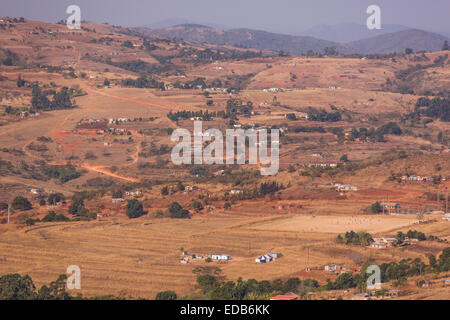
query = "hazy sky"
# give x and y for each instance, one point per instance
(290, 16)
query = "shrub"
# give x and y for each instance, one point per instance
(177, 211)
(21, 203)
(166, 295)
(135, 209)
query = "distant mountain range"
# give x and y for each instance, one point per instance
(393, 38)
(246, 38)
(418, 40)
(348, 32)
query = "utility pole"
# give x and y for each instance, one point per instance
(446, 203)
(9, 213)
(438, 198)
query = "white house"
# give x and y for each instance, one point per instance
(275, 255)
(35, 191)
(220, 257)
(136, 193)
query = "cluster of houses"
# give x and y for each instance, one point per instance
(339, 268)
(269, 257)
(135, 193)
(375, 294)
(118, 120)
(322, 164)
(274, 90)
(117, 130)
(344, 187)
(87, 125)
(389, 242)
(223, 90)
(91, 121)
(417, 178)
(384, 242)
(187, 257)
(190, 188)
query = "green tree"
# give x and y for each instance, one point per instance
(77, 207)
(20, 82)
(127, 43)
(61, 100)
(56, 290)
(445, 46)
(17, 287)
(339, 239)
(197, 205)
(376, 207)
(135, 209)
(177, 211)
(444, 260)
(206, 282)
(51, 216)
(180, 186)
(344, 158)
(165, 190)
(166, 295)
(21, 203)
(55, 198)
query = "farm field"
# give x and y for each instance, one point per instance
(136, 258)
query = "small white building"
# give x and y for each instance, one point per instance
(35, 191)
(220, 257)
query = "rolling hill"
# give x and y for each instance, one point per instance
(418, 40)
(347, 32)
(248, 38)
(396, 41)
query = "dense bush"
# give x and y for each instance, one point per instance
(17, 287)
(21, 203)
(135, 209)
(166, 295)
(177, 211)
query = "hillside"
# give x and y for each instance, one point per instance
(385, 41)
(418, 40)
(248, 38)
(347, 32)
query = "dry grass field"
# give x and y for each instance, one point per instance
(141, 258)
